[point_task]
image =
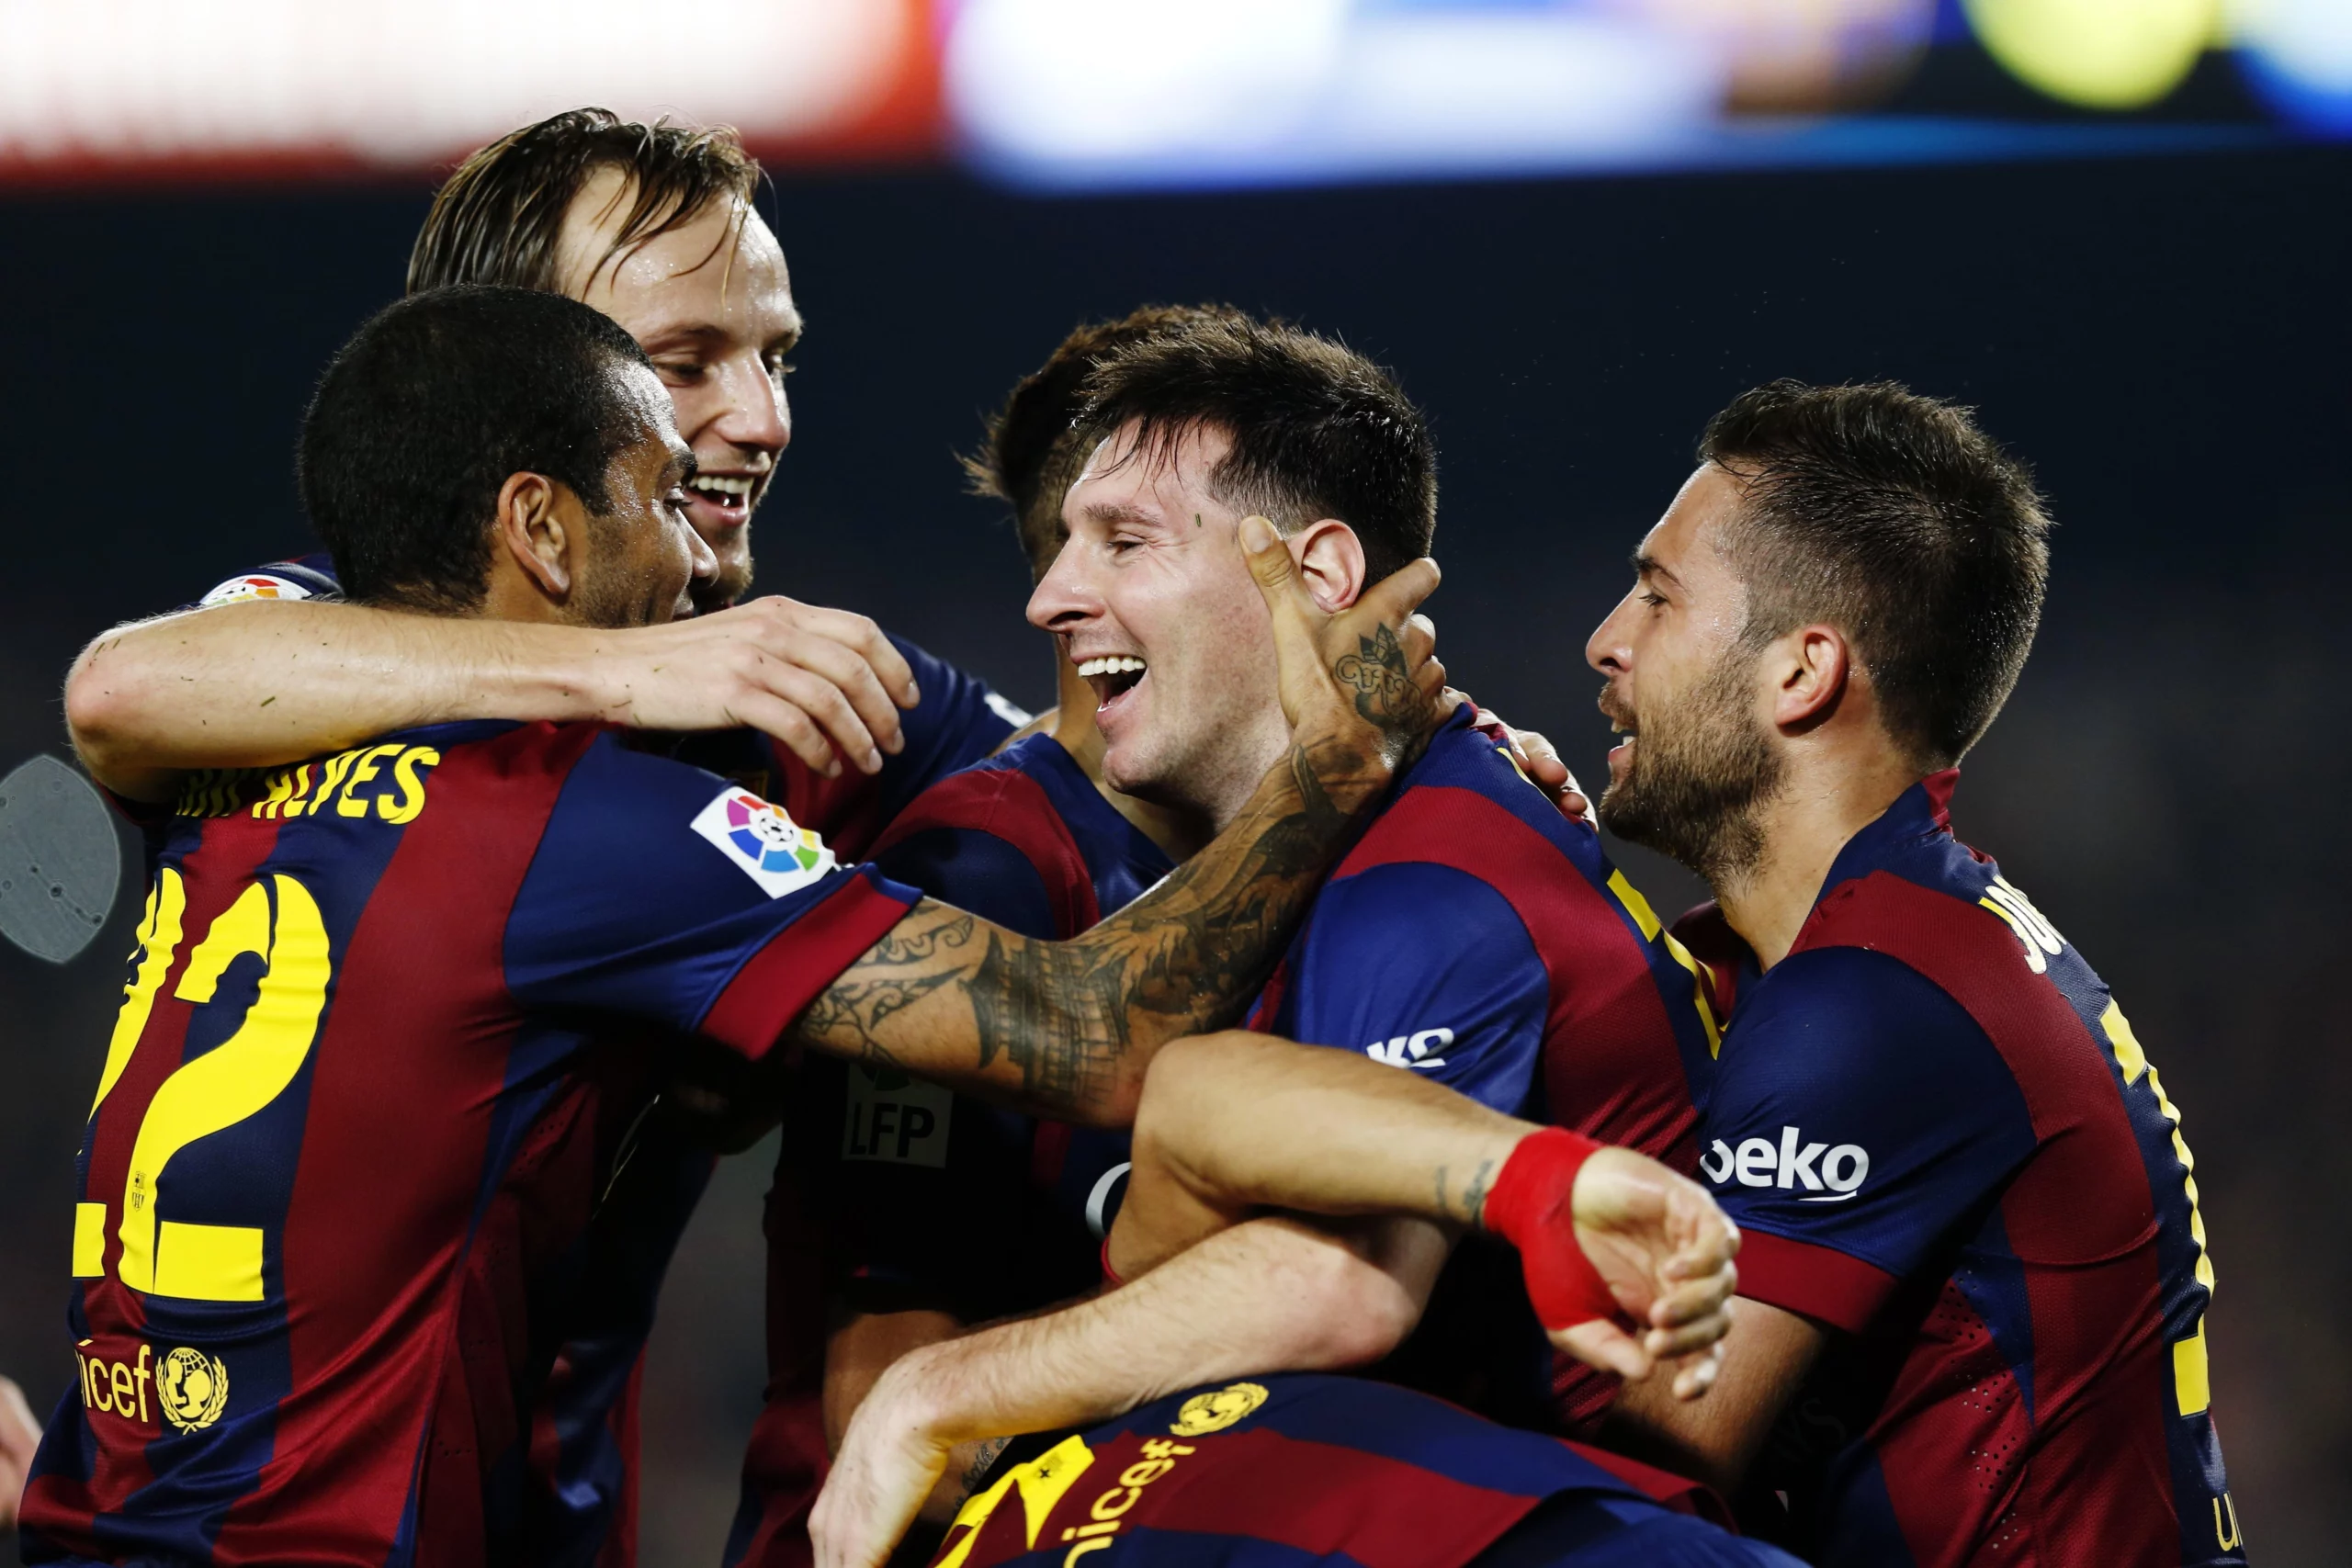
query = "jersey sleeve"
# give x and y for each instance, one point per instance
(1429, 969)
(310, 577)
(663, 893)
(974, 869)
(959, 721)
(1860, 1119)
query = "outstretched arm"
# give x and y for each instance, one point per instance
(1177, 1326)
(1285, 1291)
(254, 683)
(1065, 1029)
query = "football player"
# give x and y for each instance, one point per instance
(354, 1098)
(1976, 1275)
(1473, 938)
(654, 226)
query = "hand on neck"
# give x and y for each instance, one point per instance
(1179, 832)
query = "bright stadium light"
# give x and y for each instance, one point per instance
(1079, 92)
(98, 81)
(2104, 54)
(2299, 53)
(1801, 56)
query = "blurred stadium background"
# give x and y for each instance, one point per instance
(2123, 227)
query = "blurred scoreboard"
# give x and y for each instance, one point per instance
(1110, 94)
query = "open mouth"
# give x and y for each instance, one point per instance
(1621, 756)
(728, 495)
(1113, 677)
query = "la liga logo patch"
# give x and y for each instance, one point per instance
(763, 841)
(261, 585)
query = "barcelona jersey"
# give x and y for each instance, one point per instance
(581, 1441)
(1292, 1469)
(388, 1023)
(1942, 1137)
(1477, 937)
(929, 1199)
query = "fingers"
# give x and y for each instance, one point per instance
(772, 714)
(860, 687)
(1600, 1343)
(860, 635)
(1696, 1376)
(824, 703)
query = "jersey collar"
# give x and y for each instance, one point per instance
(1923, 811)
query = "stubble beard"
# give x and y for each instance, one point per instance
(1702, 769)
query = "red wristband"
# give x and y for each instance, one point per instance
(1532, 1207)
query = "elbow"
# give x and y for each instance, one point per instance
(1352, 1313)
(103, 704)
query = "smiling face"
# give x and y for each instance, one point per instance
(1683, 687)
(711, 304)
(1153, 603)
(641, 555)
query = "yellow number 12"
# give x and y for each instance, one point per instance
(234, 1080)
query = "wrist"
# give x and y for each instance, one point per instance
(1532, 1206)
(553, 672)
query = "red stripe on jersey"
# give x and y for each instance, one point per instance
(1007, 804)
(1313, 1497)
(1819, 1282)
(2080, 1217)
(776, 984)
(1612, 1069)
(406, 1077)
(1678, 1492)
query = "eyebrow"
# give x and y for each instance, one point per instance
(1646, 565)
(681, 469)
(709, 332)
(1111, 512)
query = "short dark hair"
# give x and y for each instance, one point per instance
(427, 411)
(1317, 430)
(1030, 453)
(499, 219)
(1894, 518)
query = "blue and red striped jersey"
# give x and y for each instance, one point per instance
(390, 1017)
(581, 1441)
(1477, 937)
(931, 1199)
(1942, 1137)
(1296, 1469)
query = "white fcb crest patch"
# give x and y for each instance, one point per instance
(768, 846)
(255, 585)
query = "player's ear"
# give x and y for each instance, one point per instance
(1810, 668)
(1330, 561)
(539, 526)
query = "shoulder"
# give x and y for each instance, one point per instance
(1857, 1030)
(1000, 796)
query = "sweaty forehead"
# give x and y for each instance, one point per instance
(1162, 478)
(721, 271)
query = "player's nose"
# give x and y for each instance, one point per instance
(757, 417)
(1064, 599)
(1607, 650)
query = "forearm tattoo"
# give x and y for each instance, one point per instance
(1069, 1026)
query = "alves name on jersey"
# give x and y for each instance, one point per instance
(597, 1298)
(908, 1196)
(1940, 1136)
(1477, 937)
(352, 1101)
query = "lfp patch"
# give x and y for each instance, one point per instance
(260, 585)
(771, 849)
